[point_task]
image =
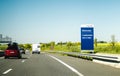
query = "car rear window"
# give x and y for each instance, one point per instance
(12, 48)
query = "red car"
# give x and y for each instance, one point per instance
(12, 51)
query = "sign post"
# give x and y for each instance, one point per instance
(87, 37)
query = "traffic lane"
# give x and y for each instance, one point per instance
(6, 64)
(41, 65)
(89, 68)
(1, 53)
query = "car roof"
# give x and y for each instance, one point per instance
(13, 46)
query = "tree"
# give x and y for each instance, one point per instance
(113, 40)
(101, 42)
(28, 46)
(78, 43)
(43, 46)
(60, 43)
(52, 44)
(21, 45)
(95, 42)
(69, 44)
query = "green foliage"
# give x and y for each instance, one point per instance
(45, 46)
(67, 47)
(69, 44)
(113, 41)
(95, 42)
(75, 47)
(108, 49)
(52, 44)
(28, 46)
(3, 47)
(21, 45)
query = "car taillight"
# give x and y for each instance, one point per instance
(6, 51)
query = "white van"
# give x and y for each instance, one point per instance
(36, 48)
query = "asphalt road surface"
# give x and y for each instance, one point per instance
(45, 64)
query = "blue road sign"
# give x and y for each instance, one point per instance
(87, 37)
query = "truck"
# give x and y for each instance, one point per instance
(36, 48)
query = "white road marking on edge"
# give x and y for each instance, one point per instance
(71, 68)
(23, 61)
(7, 71)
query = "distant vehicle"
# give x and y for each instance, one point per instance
(12, 51)
(22, 50)
(36, 48)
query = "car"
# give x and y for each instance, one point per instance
(12, 51)
(22, 50)
(36, 51)
(36, 48)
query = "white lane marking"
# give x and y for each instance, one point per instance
(23, 61)
(71, 68)
(7, 71)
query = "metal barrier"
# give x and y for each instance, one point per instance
(113, 59)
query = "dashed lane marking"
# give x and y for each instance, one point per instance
(7, 71)
(23, 61)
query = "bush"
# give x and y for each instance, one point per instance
(108, 49)
(3, 47)
(75, 49)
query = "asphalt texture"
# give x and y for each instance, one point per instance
(44, 65)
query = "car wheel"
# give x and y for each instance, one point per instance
(19, 57)
(32, 52)
(5, 57)
(38, 52)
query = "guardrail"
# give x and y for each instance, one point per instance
(114, 59)
(106, 58)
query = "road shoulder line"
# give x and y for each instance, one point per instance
(71, 68)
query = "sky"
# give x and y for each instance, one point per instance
(35, 21)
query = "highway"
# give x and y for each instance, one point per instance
(46, 64)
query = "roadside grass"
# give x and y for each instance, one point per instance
(107, 48)
(101, 48)
(63, 48)
(67, 49)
